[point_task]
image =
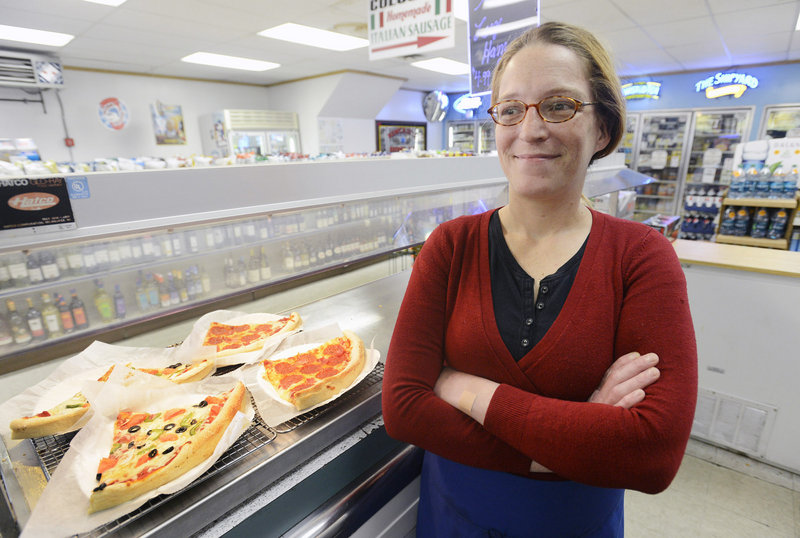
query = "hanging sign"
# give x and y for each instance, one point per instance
(40, 204)
(644, 89)
(113, 113)
(493, 24)
(467, 102)
(722, 84)
(404, 27)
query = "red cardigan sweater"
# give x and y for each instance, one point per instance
(629, 295)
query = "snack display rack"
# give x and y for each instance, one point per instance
(402, 199)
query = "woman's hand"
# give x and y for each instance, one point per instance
(624, 382)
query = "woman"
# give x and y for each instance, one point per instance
(524, 355)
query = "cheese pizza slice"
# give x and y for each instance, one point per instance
(241, 338)
(318, 374)
(149, 450)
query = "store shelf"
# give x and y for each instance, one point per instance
(782, 244)
(787, 203)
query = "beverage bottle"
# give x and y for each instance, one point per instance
(728, 220)
(141, 295)
(192, 242)
(49, 267)
(35, 322)
(790, 183)
(5, 276)
(288, 257)
(193, 286)
(253, 268)
(229, 273)
(102, 257)
(241, 273)
(6, 337)
(760, 223)
(153, 291)
(65, 314)
(776, 183)
(177, 244)
(172, 291)
(19, 329)
(78, 310)
(75, 261)
(264, 270)
(742, 223)
(51, 316)
(18, 269)
(205, 281)
(762, 182)
(777, 225)
(61, 262)
(181, 286)
(103, 302)
(795, 243)
(34, 269)
(119, 303)
(750, 181)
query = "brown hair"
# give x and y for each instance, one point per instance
(600, 71)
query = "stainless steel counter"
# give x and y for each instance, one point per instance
(369, 311)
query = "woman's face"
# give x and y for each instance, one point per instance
(540, 159)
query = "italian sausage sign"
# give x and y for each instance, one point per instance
(403, 27)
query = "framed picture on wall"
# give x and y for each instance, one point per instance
(393, 136)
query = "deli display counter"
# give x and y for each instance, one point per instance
(362, 213)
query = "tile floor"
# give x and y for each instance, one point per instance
(744, 498)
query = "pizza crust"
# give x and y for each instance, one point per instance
(57, 422)
(191, 454)
(198, 371)
(294, 322)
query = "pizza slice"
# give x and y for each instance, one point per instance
(64, 415)
(313, 376)
(149, 450)
(55, 420)
(231, 339)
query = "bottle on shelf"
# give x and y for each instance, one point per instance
(51, 316)
(49, 266)
(241, 273)
(6, 336)
(19, 329)
(102, 257)
(75, 261)
(34, 268)
(78, 310)
(103, 302)
(264, 270)
(777, 224)
(760, 223)
(750, 181)
(153, 291)
(776, 183)
(65, 314)
(205, 281)
(763, 182)
(742, 223)
(172, 291)
(142, 301)
(253, 268)
(119, 303)
(35, 322)
(726, 226)
(18, 269)
(790, 183)
(736, 189)
(5, 276)
(181, 286)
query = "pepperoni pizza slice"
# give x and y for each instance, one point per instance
(318, 374)
(232, 339)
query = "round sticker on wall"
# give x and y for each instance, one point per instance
(113, 113)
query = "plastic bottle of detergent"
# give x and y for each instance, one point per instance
(790, 183)
(762, 182)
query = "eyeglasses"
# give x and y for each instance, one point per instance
(555, 109)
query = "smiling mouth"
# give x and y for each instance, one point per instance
(536, 157)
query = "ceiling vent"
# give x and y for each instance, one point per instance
(30, 70)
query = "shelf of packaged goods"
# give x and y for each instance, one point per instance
(648, 211)
(655, 196)
(701, 151)
(787, 203)
(782, 244)
(707, 183)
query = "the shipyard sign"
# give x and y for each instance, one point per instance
(723, 84)
(403, 27)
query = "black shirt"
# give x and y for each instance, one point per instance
(522, 323)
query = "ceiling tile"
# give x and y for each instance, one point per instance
(682, 32)
(645, 61)
(44, 21)
(758, 43)
(742, 24)
(706, 55)
(646, 12)
(628, 39)
(594, 15)
(727, 6)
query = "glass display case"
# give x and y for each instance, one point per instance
(58, 292)
(462, 136)
(627, 145)
(780, 121)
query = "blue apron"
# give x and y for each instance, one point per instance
(462, 501)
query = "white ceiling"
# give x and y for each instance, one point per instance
(150, 36)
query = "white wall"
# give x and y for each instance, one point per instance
(81, 95)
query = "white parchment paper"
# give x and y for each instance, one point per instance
(62, 509)
(193, 345)
(272, 408)
(71, 375)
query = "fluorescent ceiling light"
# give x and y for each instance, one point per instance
(29, 35)
(443, 65)
(107, 2)
(231, 62)
(507, 27)
(306, 35)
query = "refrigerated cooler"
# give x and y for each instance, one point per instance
(780, 121)
(261, 132)
(462, 136)
(486, 139)
(627, 145)
(660, 153)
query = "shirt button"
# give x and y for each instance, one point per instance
(525, 342)
(529, 322)
(544, 289)
(539, 306)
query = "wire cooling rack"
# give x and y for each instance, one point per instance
(52, 448)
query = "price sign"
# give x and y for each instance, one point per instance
(493, 24)
(40, 204)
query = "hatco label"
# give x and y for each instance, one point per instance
(33, 201)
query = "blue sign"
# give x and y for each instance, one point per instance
(78, 187)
